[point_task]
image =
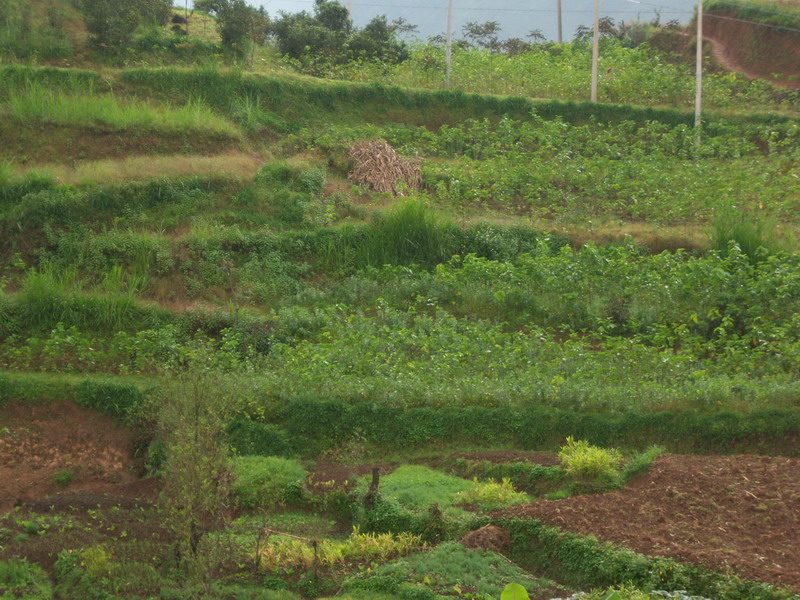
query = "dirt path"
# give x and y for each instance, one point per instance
(726, 60)
(734, 512)
(40, 440)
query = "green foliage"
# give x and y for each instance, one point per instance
(534, 479)
(29, 34)
(577, 167)
(640, 75)
(21, 579)
(445, 571)
(489, 495)
(514, 591)
(191, 414)
(263, 481)
(117, 400)
(288, 554)
(782, 15)
(755, 234)
(420, 487)
(590, 463)
(249, 438)
(39, 105)
(63, 478)
(112, 23)
(640, 462)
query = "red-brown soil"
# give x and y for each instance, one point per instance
(39, 440)
(754, 50)
(734, 512)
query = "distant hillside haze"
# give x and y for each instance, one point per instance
(517, 17)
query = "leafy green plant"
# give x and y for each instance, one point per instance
(488, 495)
(63, 478)
(590, 463)
(265, 481)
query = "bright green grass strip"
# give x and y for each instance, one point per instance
(416, 486)
(36, 104)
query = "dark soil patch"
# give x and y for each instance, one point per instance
(327, 475)
(40, 440)
(735, 512)
(510, 456)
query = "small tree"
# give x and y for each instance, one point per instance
(111, 23)
(192, 420)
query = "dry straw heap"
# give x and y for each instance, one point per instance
(379, 168)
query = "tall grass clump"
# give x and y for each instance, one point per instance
(48, 298)
(755, 234)
(36, 104)
(409, 234)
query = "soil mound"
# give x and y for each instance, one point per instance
(727, 512)
(489, 537)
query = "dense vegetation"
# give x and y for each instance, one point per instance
(182, 251)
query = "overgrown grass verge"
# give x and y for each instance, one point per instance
(40, 105)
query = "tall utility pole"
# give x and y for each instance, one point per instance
(448, 52)
(698, 91)
(350, 8)
(595, 49)
(560, 33)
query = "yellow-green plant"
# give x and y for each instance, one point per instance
(294, 553)
(491, 494)
(586, 462)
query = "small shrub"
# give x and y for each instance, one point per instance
(249, 438)
(63, 478)
(589, 463)
(265, 481)
(491, 494)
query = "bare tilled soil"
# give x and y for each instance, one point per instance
(39, 441)
(734, 512)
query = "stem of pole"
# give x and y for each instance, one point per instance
(595, 49)
(698, 97)
(448, 52)
(560, 30)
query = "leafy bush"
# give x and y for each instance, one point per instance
(21, 579)
(589, 463)
(488, 495)
(114, 399)
(249, 438)
(267, 481)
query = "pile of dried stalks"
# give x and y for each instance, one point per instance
(381, 169)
